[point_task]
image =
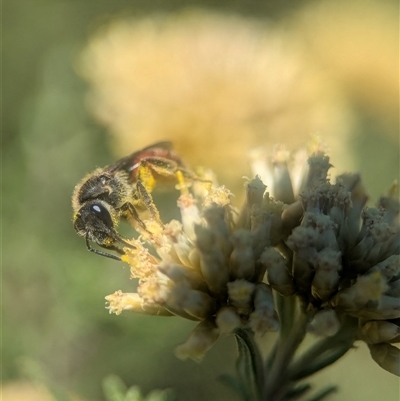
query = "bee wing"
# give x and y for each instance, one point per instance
(166, 145)
(128, 163)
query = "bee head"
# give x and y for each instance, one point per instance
(96, 220)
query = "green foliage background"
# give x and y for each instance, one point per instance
(53, 289)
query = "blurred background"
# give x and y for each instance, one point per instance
(85, 82)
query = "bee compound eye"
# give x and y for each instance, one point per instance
(102, 213)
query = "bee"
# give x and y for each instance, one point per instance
(117, 191)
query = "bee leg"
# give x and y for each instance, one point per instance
(155, 165)
(133, 213)
(101, 253)
(167, 168)
(146, 198)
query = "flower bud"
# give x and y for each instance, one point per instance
(365, 299)
(227, 319)
(391, 204)
(291, 217)
(260, 228)
(375, 332)
(180, 273)
(394, 288)
(195, 259)
(278, 275)
(201, 339)
(241, 263)
(390, 267)
(319, 165)
(325, 229)
(366, 290)
(387, 356)
(254, 195)
(282, 185)
(214, 215)
(240, 295)
(198, 304)
(213, 267)
(180, 245)
(264, 317)
(324, 284)
(325, 323)
(266, 224)
(303, 273)
(190, 214)
(326, 280)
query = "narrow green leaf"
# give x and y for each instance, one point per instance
(236, 385)
(253, 359)
(244, 365)
(325, 351)
(323, 361)
(271, 357)
(297, 392)
(323, 393)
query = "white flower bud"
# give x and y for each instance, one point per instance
(198, 304)
(367, 289)
(241, 263)
(375, 332)
(326, 280)
(240, 295)
(201, 339)
(254, 195)
(180, 273)
(213, 267)
(324, 284)
(387, 356)
(291, 216)
(319, 165)
(264, 317)
(390, 267)
(278, 274)
(214, 215)
(394, 289)
(282, 185)
(325, 323)
(227, 319)
(190, 214)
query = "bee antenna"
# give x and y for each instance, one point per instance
(101, 253)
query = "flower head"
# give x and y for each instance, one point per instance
(220, 266)
(206, 268)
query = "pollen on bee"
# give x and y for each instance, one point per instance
(183, 184)
(124, 259)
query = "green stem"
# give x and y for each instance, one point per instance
(323, 393)
(324, 352)
(286, 349)
(286, 308)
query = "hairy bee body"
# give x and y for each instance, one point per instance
(115, 192)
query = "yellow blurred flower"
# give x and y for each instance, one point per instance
(357, 44)
(212, 84)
